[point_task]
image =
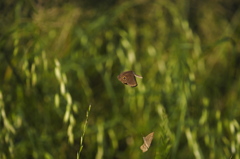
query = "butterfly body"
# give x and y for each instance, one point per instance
(128, 78)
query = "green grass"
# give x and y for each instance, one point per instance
(59, 61)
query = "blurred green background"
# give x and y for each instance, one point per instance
(59, 93)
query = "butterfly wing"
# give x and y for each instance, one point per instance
(128, 78)
(148, 139)
(132, 80)
(144, 148)
(147, 142)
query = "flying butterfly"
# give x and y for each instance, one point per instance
(128, 78)
(147, 142)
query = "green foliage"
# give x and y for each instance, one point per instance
(59, 61)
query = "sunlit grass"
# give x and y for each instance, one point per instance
(60, 59)
(84, 131)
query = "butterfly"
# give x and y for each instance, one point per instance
(147, 142)
(128, 78)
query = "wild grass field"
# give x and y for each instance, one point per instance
(59, 92)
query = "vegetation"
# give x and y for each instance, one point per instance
(59, 93)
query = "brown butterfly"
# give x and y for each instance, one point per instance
(147, 142)
(128, 78)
